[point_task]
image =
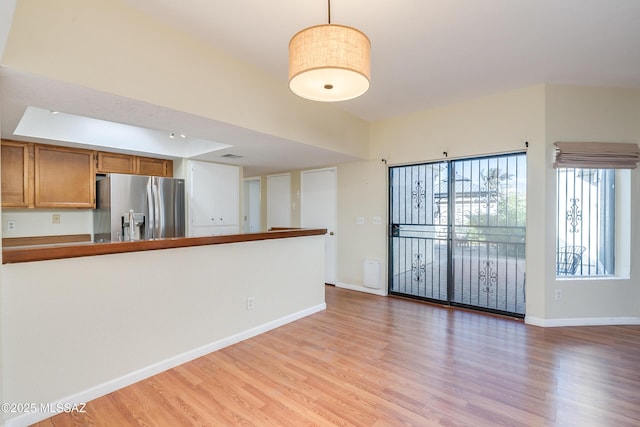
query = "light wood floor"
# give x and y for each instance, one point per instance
(375, 361)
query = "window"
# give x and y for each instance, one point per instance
(590, 221)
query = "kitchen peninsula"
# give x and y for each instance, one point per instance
(138, 308)
(49, 252)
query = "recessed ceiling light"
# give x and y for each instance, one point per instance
(183, 136)
(54, 111)
(172, 135)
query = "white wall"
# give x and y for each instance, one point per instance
(78, 328)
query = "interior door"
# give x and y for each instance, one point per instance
(318, 194)
(251, 206)
(279, 200)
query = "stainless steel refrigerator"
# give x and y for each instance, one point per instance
(135, 207)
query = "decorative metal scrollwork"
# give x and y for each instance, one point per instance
(574, 216)
(418, 268)
(418, 194)
(487, 277)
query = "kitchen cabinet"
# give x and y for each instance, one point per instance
(50, 176)
(116, 163)
(156, 167)
(214, 199)
(64, 177)
(17, 174)
(126, 163)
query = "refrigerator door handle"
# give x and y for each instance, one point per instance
(151, 223)
(157, 216)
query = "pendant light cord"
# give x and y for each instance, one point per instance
(329, 10)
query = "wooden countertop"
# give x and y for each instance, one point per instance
(49, 252)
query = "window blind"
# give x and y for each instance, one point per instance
(596, 155)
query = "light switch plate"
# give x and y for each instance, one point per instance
(377, 220)
(360, 220)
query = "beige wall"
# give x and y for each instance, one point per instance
(108, 46)
(540, 115)
(604, 115)
(38, 222)
(495, 124)
(362, 192)
(501, 123)
(79, 328)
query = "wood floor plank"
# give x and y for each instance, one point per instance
(378, 362)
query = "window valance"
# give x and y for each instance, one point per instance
(597, 155)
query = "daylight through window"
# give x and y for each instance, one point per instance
(586, 222)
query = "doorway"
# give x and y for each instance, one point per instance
(279, 200)
(251, 221)
(318, 205)
(457, 232)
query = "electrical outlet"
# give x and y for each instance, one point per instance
(11, 225)
(558, 294)
(55, 219)
(250, 303)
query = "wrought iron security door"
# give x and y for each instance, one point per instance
(457, 232)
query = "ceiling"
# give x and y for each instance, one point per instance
(425, 54)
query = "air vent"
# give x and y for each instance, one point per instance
(232, 156)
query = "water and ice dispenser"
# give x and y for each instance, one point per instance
(132, 226)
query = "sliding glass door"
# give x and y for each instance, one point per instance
(457, 232)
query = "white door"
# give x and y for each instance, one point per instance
(279, 200)
(251, 219)
(318, 194)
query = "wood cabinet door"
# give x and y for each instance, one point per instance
(16, 191)
(64, 177)
(116, 163)
(156, 167)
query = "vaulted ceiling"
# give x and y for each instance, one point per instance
(425, 54)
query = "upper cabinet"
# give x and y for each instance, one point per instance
(49, 176)
(157, 167)
(64, 177)
(116, 163)
(124, 163)
(17, 174)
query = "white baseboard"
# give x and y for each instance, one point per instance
(149, 371)
(381, 292)
(582, 321)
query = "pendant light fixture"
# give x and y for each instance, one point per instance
(329, 63)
